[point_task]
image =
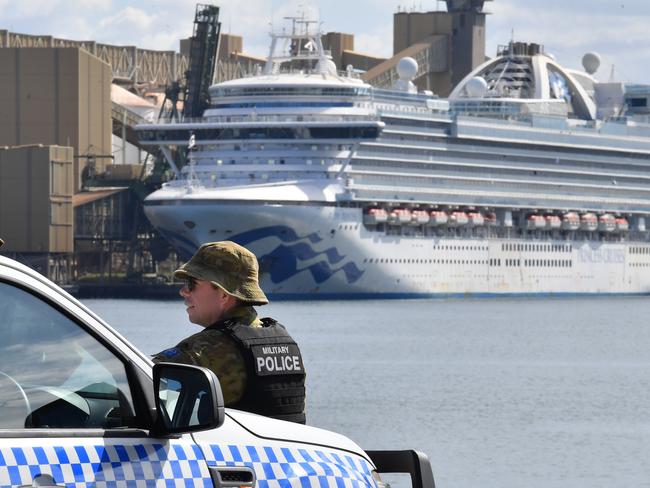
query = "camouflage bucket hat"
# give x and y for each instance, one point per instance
(228, 265)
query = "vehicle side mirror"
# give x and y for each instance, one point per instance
(188, 398)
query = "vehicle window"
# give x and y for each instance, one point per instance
(54, 374)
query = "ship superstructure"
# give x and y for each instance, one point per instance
(529, 178)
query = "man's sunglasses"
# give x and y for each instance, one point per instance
(190, 283)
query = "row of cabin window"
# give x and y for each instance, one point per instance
(449, 247)
(516, 246)
(425, 261)
(541, 263)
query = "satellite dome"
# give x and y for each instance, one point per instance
(476, 87)
(591, 62)
(326, 66)
(407, 68)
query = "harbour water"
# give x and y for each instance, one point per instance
(534, 393)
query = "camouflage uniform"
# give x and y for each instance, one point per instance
(235, 352)
(216, 350)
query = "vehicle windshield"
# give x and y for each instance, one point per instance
(53, 372)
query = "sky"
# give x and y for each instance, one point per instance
(616, 29)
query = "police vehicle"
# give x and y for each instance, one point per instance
(81, 407)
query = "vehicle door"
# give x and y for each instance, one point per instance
(71, 411)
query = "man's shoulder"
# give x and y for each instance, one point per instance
(208, 335)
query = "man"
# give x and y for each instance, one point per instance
(258, 364)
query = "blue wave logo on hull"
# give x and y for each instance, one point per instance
(282, 232)
(283, 262)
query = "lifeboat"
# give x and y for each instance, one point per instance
(622, 225)
(475, 218)
(570, 221)
(438, 217)
(399, 216)
(553, 221)
(588, 222)
(374, 216)
(458, 219)
(534, 221)
(419, 217)
(490, 218)
(606, 223)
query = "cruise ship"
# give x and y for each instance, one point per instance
(528, 179)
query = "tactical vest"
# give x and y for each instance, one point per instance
(276, 374)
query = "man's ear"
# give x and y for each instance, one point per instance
(230, 300)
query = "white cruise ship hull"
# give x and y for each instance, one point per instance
(312, 250)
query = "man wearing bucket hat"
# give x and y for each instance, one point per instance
(258, 364)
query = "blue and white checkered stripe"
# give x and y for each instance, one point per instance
(282, 467)
(176, 464)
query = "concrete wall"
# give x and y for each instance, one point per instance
(411, 27)
(468, 44)
(56, 96)
(36, 186)
(465, 47)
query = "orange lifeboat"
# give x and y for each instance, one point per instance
(570, 221)
(588, 222)
(419, 217)
(622, 225)
(606, 223)
(374, 216)
(534, 222)
(475, 218)
(399, 216)
(438, 217)
(553, 221)
(490, 218)
(458, 218)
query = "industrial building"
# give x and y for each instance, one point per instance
(58, 179)
(57, 96)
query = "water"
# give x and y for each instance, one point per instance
(499, 393)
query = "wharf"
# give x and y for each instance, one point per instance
(138, 291)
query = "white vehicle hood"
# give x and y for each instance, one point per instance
(268, 428)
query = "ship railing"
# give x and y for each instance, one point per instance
(237, 178)
(415, 114)
(186, 120)
(497, 197)
(382, 95)
(509, 107)
(286, 70)
(292, 118)
(269, 118)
